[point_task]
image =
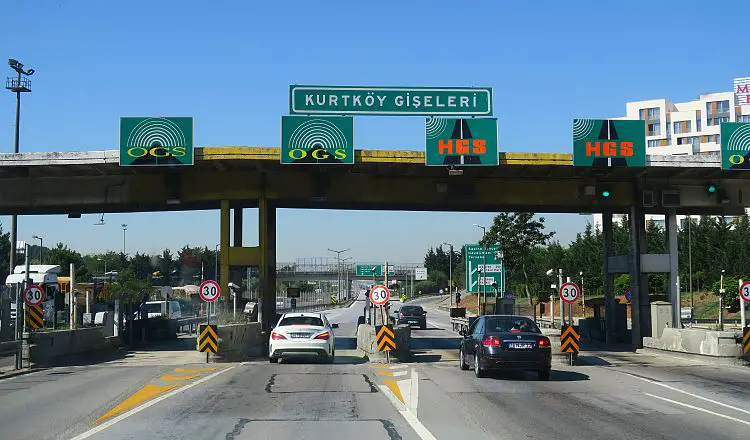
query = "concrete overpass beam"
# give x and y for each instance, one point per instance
(224, 250)
(237, 236)
(267, 270)
(609, 295)
(640, 307)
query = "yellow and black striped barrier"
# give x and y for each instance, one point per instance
(746, 340)
(208, 339)
(385, 337)
(334, 300)
(35, 317)
(569, 340)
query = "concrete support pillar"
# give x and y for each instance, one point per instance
(267, 270)
(640, 308)
(224, 250)
(674, 294)
(609, 294)
(237, 236)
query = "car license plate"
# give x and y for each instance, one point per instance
(521, 345)
(299, 335)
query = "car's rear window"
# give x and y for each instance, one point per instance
(411, 310)
(510, 325)
(301, 320)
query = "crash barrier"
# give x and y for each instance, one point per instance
(367, 342)
(697, 341)
(11, 348)
(239, 342)
(47, 347)
(190, 323)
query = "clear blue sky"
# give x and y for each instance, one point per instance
(229, 64)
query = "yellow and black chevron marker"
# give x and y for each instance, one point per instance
(746, 340)
(34, 317)
(208, 339)
(334, 300)
(569, 340)
(385, 337)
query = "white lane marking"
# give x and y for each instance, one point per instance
(140, 408)
(414, 402)
(410, 418)
(669, 387)
(697, 408)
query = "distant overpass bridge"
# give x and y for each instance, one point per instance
(329, 272)
(232, 178)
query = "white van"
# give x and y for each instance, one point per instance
(159, 308)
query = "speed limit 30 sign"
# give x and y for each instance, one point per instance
(569, 292)
(745, 291)
(380, 295)
(34, 295)
(209, 291)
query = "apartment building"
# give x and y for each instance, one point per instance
(687, 128)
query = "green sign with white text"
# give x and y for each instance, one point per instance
(368, 270)
(735, 146)
(475, 259)
(397, 101)
(156, 141)
(609, 143)
(465, 142)
(317, 140)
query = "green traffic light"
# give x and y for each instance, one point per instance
(605, 193)
(712, 188)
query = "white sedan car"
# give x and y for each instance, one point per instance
(302, 333)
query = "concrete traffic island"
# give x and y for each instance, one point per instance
(44, 348)
(367, 342)
(696, 341)
(238, 342)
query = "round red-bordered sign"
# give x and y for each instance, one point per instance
(569, 292)
(209, 291)
(745, 291)
(379, 295)
(34, 295)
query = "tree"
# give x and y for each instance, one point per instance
(129, 287)
(63, 256)
(518, 233)
(140, 265)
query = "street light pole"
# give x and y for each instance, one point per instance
(124, 228)
(450, 273)
(690, 258)
(583, 295)
(338, 269)
(216, 263)
(721, 301)
(41, 248)
(17, 85)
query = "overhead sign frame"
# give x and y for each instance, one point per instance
(609, 143)
(390, 101)
(461, 142)
(157, 141)
(317, 140)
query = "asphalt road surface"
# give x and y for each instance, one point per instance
(169, 394)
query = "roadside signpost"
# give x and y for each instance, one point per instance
(744, 297)
(464, 142)
(379, 295)
(420, 273)
(373, 270)
(208, 339)
(609, 143)
(156, 141)
(394, 101)
(475, 259)
(317, 140)
(569, 338)
(209, 291)
(33, 296)
(569, 292)
(385, 337)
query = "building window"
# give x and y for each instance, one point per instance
(717, 121)
(682, 127)
(698, 123)
(689, 140)
(743, 118)
(713, 138)
(717, 107)
(654, 129)
(654, 143)
(652, 114)
(642, 114)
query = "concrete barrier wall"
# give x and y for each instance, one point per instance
(240, 341)
(367, 342)
(47, 346)
(696, 341)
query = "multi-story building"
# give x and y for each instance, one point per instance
(687, 128)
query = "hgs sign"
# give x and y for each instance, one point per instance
(461, 142)
(609, 143)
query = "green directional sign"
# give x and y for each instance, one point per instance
(317, 140)
(156, 141)
(475, 258)
(609, 143)
(735, 146)
(366, 270)
(464, 142)
(397, 101)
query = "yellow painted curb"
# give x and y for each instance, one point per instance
(391, 384)
(170, 377)
(146, 393)
(196, 370)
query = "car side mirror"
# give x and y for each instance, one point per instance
(334, 326)
(424, 313)
(462, 333)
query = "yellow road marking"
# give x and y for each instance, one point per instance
(386, 373)
(146, 393)
(171, 377)
(196, 370)
(391, 384)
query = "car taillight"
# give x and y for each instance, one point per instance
(324, 335)
(491, 342)
(276, 336)
(401, 315)
(544, 343)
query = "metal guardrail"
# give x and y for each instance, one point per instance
(10, 347)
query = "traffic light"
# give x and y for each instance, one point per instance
(711, 188)
(605, 193)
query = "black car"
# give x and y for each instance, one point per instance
(413, 315)
(505, 342)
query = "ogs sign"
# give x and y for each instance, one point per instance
(156, 141)
(317, 140)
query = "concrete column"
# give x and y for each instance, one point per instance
(224, 250)
(640, 304)
(674, 294)
(609, 295)
(267, 272)
(237, 236)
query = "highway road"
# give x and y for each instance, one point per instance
(171, 395)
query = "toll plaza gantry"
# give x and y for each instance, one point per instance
(232, 178)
